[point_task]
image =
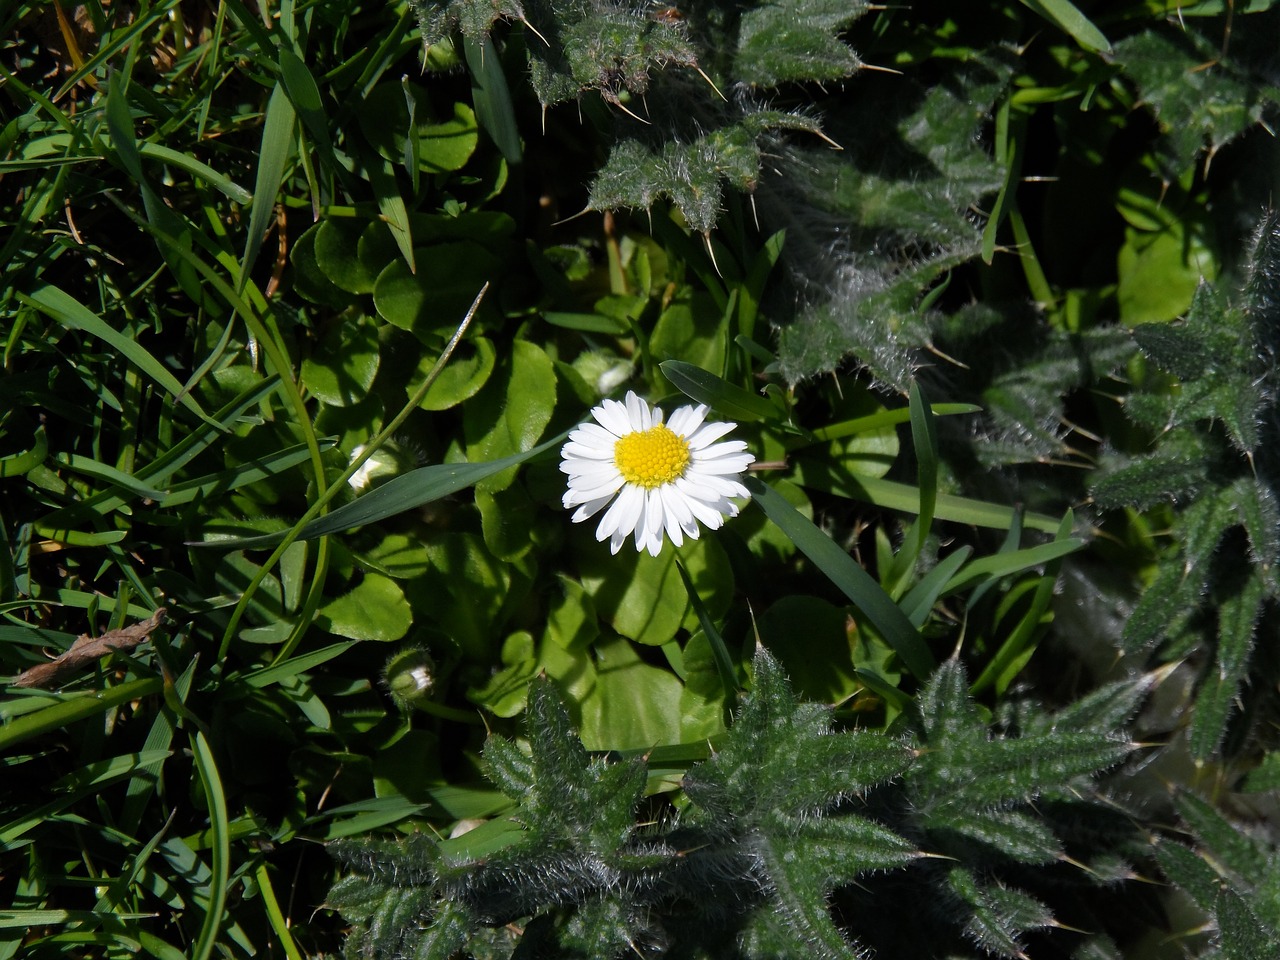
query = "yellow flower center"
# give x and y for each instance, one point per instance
(650, 458)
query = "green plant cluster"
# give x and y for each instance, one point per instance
(300, 300)
(926, 840)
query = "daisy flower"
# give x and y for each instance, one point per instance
(654, 477)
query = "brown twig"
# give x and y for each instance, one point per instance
(87, 649)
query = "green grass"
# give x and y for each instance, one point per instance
(294, 318)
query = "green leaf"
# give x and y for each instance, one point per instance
(70, 313)
(508, 416)
(342, 368)
(852, 580)
(448, 146)
(1065, 15)
(812, 640)
(428, 301)
(403, 493)
(375, 609)
(639, 595)
(723, 397)
(634, 705)
(467, 372)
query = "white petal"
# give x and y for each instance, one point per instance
(589, 471)
(709, 433)
(613, 417)
(589, 509)
(576, 495)
(594, 435)
(726, 449)
(686, 420)
(586, 451)
(653, 512)
(638, 412)
(624, 515)
(718, 485)
(728, 466)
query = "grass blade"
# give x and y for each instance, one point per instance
(853, 581)
(723, 397)
(67, 712)
(217, 803)
(1065, 15)
(72, 314)
(277, 144)
(405, 492)
(724, 662)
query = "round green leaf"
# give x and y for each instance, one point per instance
(509, 415)
(341, 370)
(640, 596)
(448, 146)
(691, 330)
(309, 278)
(571, 616)
(375, 609)
(431, 302)
(633, 705)
(1159, 274)
(462, 377)
(811, 639)
(352, 252)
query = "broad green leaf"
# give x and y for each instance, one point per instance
(447, 146)
(640, 596)
(812, 640)
(633, 706)
(353, 252)
(430, 302)
(375, 609)
(571, 616)
(462, 378)
(691, 331)
(341, 369)
(310, 279)
(508, 416)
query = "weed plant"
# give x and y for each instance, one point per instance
(302, 652)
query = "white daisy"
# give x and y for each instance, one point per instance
(653, 476)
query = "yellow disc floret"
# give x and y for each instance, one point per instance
(650, 458)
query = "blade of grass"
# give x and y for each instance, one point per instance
(719, 652)
(920, 599)
(702, 386)
(68, 712)
(66, 310)
(235, 477)
(159, 214)
(273, 157)
(878, 421)
(492, 99)
(405, 492)
(274, 915)
(1018, 647)
(391, 205)
(172, 460)
(1067, 16)
(853, 581)
(900, 496)
(1004, 564)
(924, 438)
(215, 799)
